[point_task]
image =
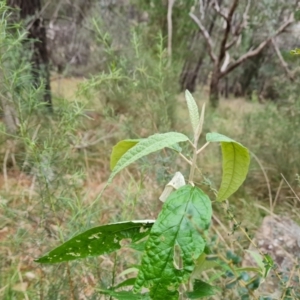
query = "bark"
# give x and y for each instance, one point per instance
(214, 87)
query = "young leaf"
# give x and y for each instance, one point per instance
(146, 146)
(201, 290)
(123, 146)
(203, 264)
(119, 150)
(184, 216)
(236, 160)
(193, 110)
(97, 241)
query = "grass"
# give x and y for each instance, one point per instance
(37, 215)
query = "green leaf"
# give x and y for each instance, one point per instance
(119, 150)
(98, 241)
(123, 146)
(201, 290)
(125, 295)
(146, 146)
(193, 110)
(236, 160)
(138, 246)
(268, 263)
(127, 282)
(185, 215)
(203, 264)
(258, 258)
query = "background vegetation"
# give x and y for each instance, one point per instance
(115, 74)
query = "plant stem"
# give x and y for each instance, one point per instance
(186, 159)
(195, 150)
(203, 147)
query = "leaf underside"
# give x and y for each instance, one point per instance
(184, 216)
(236, 160)
(98, 241)
(193, 110)
(146, 146)
(123, 146)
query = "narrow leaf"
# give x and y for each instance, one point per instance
(193, 110)
(119, 150)
(98, 241)
(127, 282)
(146, 146)
(125, 295)
(201, 290)
(236, 160)
(184, 216)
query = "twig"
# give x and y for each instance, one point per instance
(202, 148)
(297, 197)
(186, 159)
(267, 180)
(277, 194)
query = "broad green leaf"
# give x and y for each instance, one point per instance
(146, 146)
(236, 160)
(123, 146)
(97, 241)
(125, 295)
(201, 290)
(193, 110)
(119, 150)
(138, 246)
(185, 215)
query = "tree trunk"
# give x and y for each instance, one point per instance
(189, 76)
(30, 13)
(214, 88)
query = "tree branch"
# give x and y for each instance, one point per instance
(206, 36)
(283, 62)
(244, 21)
(227, 30)
(219, 11)
(170, 28)
(259, 48)
(243, 24)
